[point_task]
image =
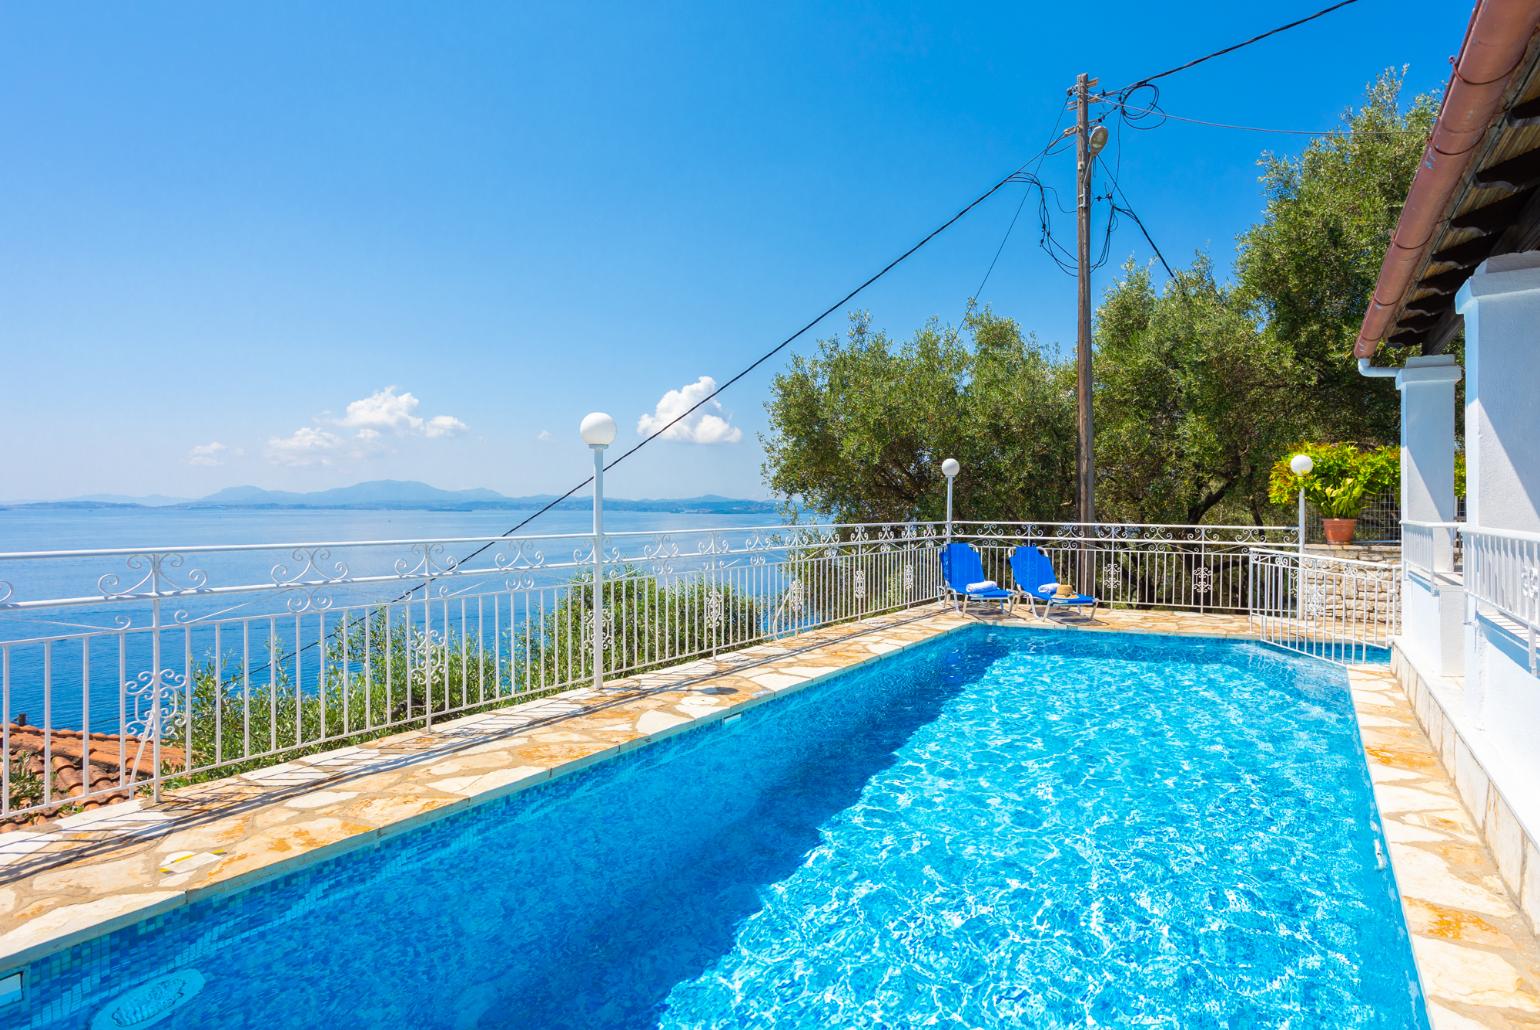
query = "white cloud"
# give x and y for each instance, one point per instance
(707, 425)
(307, 445)
(544, 436)
(358, 433)
(443, 425)
(397, 412)
(212, 453)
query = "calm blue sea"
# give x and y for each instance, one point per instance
(84, 674)
(1001, 828)
(56, 529)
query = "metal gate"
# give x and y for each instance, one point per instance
(1337, 609)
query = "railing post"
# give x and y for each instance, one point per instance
(429, 663)
(155, 674)
(1202, 564)
(598, 432)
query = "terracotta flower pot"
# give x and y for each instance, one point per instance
(1339, 531)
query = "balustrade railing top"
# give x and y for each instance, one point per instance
(142, 573)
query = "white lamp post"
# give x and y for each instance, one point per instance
(598, 432)
(1300, 465)
(949, 468)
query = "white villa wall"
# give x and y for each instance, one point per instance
(1485, 724)
(1501, 305)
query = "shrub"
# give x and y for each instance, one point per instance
(1343, 480)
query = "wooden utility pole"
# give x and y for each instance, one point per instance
(1085, 459)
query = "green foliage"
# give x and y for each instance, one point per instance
(372, 678)
(648, 623)
(1342, 480)
(381, 679)
(859, 430)
(1188, 411)
(1308, 268)
(1199, 387)
(26, 785)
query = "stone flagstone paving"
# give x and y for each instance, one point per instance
(91, 873)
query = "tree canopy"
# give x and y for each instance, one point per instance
(858, 430)
(1308, 267)
(1183, 379)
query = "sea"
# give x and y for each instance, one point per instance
(75, 648)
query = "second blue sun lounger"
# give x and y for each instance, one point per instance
(1036, 581)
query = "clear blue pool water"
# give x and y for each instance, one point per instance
(997, 828)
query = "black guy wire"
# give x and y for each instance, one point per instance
(1235, 46)
(1054, 136)
(1128, 209)
(766, 356)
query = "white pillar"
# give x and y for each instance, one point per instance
(1501, 305)
(1432, 610)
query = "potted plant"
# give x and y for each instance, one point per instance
(1343, 478)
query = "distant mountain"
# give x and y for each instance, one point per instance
(146, 501)
(407, 494)
(379, 493)
(102, 501)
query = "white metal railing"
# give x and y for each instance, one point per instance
(135, 667)
(123, 668)
(1377, 522)
(1334, 608)
(1430, 550)
(1202, 568)
(1502, 574)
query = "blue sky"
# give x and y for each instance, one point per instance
(302, 245)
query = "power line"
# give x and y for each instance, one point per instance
(1053, 138)
(1235, 46)
(788, 341)
(1001, 248)
(766, 356)
(1166, 115)
(1128, 209)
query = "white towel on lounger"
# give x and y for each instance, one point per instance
(983, 584)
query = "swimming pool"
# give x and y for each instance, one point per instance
(1001, 827)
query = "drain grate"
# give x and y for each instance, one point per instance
(150, 1002)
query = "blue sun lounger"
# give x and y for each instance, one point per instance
(962, 572)
(1035, 580)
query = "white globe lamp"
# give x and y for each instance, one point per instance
(1300, 465)
(598, 429)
